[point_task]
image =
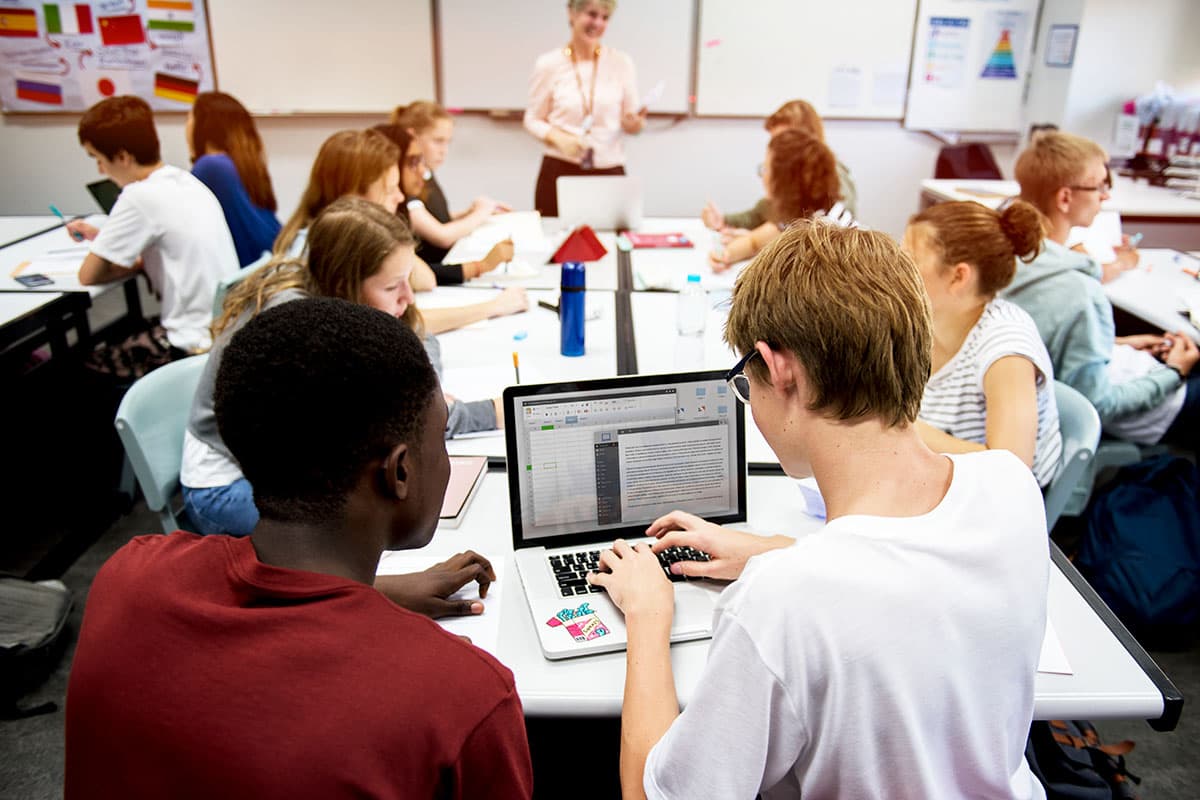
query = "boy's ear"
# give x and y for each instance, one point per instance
(397, 468)
(779, 365)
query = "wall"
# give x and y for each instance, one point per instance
(681, 164)
(1124, 47)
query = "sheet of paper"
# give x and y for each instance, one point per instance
(1100, 237)
(1053, 658)
(61, 262)
(483, 630)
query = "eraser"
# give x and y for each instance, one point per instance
(519, 335)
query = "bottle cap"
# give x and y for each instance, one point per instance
(693, 278)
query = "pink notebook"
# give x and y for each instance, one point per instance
(466, 473)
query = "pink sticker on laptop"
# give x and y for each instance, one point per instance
(582, 623)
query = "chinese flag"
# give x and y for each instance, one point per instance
(122, 30)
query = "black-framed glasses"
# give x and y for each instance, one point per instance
(737, 380)
(1106, 186)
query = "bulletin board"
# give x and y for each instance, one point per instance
(849, 59)
(971, 59)
(67, 56)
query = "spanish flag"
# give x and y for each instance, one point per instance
(175, 88)
(18, 23)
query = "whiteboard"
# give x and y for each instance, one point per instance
(487, 49)
(970, 62)
(281, 57)
(847, 58)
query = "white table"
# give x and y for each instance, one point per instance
(15, 228)
(1107, 680)
(478, 358)
(56, 244)
(1165, 217)
(601, 274)
(667, 268)
(1159, 291)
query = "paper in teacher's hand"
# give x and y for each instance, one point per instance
(654, 95)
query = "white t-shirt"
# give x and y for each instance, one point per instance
(879, 657)
(954, 401)
(1146, 427)
(175, 224)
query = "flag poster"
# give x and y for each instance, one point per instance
(67, 56)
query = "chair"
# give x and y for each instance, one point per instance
(974, 160)
(150, 422)
(1080, 427)
(233, 280)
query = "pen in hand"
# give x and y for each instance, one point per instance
(76, 235)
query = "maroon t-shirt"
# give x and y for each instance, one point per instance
(203, 673)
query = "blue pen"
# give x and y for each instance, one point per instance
(1135, 239)
(76, 235)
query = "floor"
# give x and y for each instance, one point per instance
(31, 765)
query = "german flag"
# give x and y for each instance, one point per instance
(18, 23)
(175, 88)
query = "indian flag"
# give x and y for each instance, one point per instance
(170, 15)
(18, 23)
(68, 19)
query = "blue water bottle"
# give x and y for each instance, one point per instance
(571, 308)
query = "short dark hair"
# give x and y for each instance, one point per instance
(121, 123)
(310, 392)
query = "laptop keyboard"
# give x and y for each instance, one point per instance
(571, 569)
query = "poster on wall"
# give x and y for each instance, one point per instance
(67, 56)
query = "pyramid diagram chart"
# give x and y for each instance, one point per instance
(1001, 63)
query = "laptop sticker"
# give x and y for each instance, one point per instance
(582, 623)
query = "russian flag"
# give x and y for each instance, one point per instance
(38, 87)
(72, 20)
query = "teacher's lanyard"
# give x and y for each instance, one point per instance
(588, 102)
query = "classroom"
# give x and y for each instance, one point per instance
(635, 163)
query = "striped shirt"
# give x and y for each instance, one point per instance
(954, 401)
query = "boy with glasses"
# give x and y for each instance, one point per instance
(1138, 384)
(893, 652)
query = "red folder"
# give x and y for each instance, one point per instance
(658, 239)
(581, 245)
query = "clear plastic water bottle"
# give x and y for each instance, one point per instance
(692, 310)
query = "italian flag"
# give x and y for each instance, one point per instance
(170, 15)
(68, 19)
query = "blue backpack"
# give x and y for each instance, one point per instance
(1141, 551)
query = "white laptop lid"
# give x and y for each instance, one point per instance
(605, 202)
(591, 461)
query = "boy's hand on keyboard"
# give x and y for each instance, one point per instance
(635, 581)
(728, 550)
(426, 592)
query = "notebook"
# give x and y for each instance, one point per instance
(592, 461)
(640, 240)
(606, 202)
(466, 473)
(105, 193)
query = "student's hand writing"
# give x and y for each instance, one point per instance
(84, 230)
(500, 253)
(712, 217)
(1183, 354)
(635, 582)
(1157, 345)
(718, 260)
(511, 301)
(426, 592)
(728, 550)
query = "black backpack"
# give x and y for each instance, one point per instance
(33, 617)
(1069, 759)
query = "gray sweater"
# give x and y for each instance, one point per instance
(465, 417)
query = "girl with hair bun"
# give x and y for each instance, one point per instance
(992, 384)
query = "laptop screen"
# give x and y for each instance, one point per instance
(595, 460)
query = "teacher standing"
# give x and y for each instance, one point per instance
(582, 98)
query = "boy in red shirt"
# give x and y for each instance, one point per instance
(269, 666)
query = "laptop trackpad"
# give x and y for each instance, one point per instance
(694, 603)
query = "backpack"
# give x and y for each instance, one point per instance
(1141, 549)
(1072, 764)
(32, 619)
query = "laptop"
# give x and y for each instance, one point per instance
(605, 202)
(593, 461)
(105, 193)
